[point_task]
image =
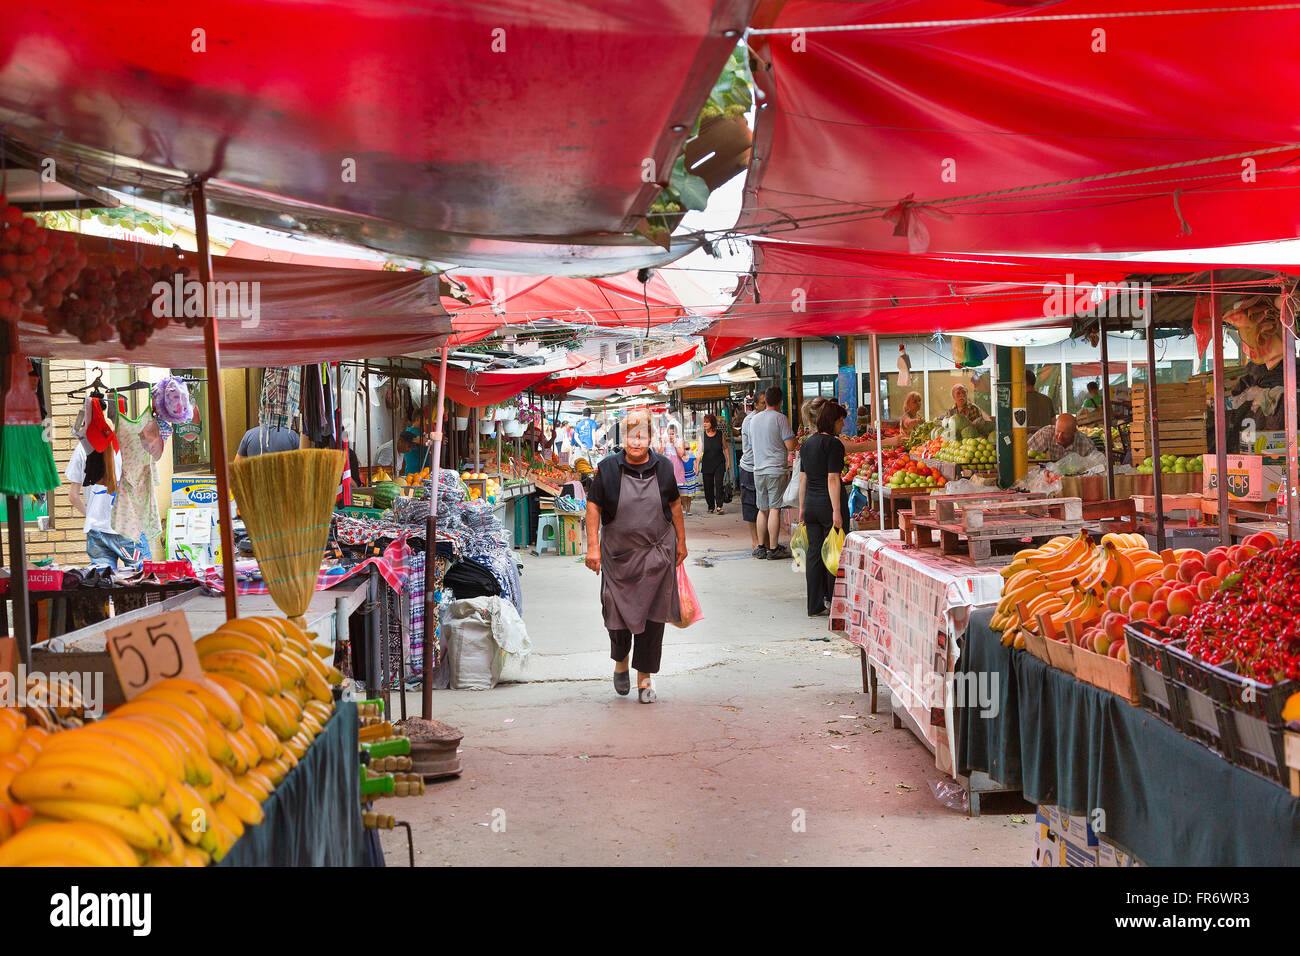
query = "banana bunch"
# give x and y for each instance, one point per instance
(179, 772)
(1067, 580)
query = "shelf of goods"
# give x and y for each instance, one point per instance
(1182, 408)
(252, 744)
(1197, 656)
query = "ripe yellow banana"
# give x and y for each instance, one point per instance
(213, 698)
(226, 640)
(263, 629)
(197, 767)
(236, 689)
(242, 803)
(136, 828)
(71, 842)
(95, 738)
(148, 785)
(195, 857)
(195, 812)
(229, 819)
(257, 785)
(278, 717)
(290, 668)
(317, 686)
(248, 668)
(64, 782)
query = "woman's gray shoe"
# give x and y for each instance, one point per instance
(648, 695)
(622, 682)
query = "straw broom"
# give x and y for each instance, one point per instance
(286, 500)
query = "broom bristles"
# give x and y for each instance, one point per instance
(286, 500)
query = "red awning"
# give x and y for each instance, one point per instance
(596, 374)
(1080, 132)
(481, 389)
(815, 290)
(401, 126)
(609, 302)
(304, 314)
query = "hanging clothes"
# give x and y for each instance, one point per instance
(315, 418)
(135, 508)
(281, 397)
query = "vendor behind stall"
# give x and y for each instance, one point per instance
(962, 405)
(1061, 438)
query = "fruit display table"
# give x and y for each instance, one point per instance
(314, 816)
(904, 610)
(1162, 796)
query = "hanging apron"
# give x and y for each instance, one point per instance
(638, 560)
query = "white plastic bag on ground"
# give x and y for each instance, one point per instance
(480, 633)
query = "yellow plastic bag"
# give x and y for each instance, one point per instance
(799, 539)
(831, 549)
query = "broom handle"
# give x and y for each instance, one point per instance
(430, 547)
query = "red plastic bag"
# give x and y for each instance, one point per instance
(691, 611)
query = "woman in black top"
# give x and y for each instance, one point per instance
(713, 463)
(822, 504)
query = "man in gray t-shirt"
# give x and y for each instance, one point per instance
(771, 439)
(748, 494)
(266, 438)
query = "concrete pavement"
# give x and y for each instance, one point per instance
(759, 752)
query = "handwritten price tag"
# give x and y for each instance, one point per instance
(154, 649)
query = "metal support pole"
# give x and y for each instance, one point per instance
(1153, 422)
(216, 417)
(1289, 396)
(430, 551)
(875, 420)
(1106, 413)
(1220, 418)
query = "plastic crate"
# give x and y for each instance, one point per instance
(1147, 651)
(1251, 713)
(1203, 715)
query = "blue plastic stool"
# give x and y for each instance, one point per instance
(548, 534)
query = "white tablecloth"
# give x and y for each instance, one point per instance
(908, 609)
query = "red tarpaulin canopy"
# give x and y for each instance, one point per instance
(481, 389)
(596, 374)
(304, 314)
(403, 126)
(610, 302)
(1084, 133)
(814, 290)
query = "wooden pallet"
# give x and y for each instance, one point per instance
(926, 507)
(973, 533)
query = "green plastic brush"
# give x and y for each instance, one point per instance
(26, 460)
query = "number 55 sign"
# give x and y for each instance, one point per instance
(154, 649)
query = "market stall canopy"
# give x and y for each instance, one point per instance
(976, 126)
(612, 302)
(803, 290)
(512, 135)
(477, 388)
(303, 314)
(646, 370)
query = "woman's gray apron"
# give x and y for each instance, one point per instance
(638, 560)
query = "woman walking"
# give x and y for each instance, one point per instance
(635, 504)
(821, 499)
(713, 463)
(673, 449)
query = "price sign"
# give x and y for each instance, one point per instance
(153, 649)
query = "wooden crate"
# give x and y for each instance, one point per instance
(970, 530)
(926, 507)
(1168, 505)
(1060, 654)
(1108, 673)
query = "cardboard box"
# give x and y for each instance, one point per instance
(194, 491)
(1250, 477)
(1267, 443)
(1047, 839)
(1079, 841)
(1110, 855)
